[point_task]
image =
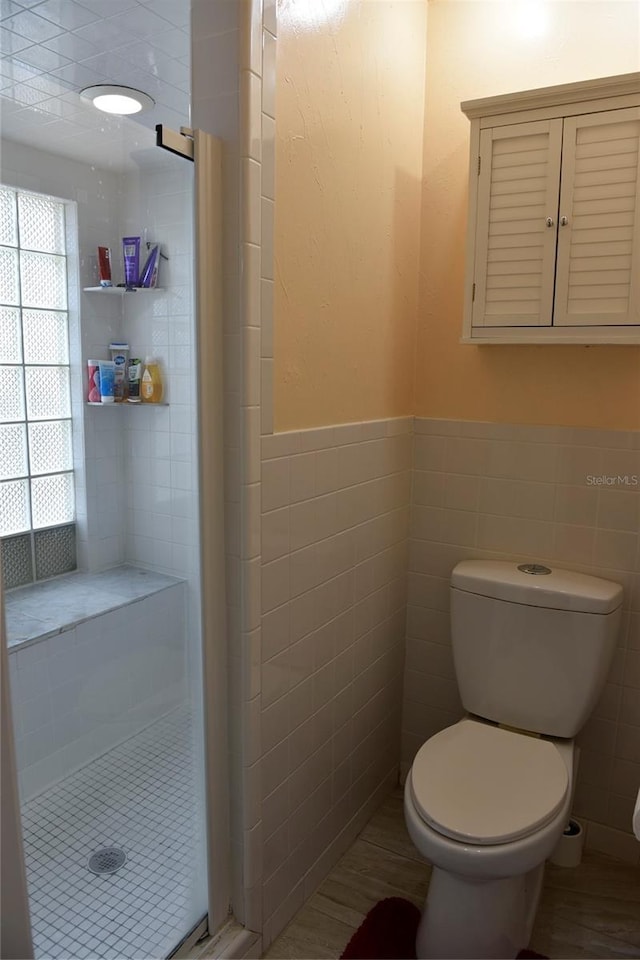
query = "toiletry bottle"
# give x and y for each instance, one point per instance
(93, 371)
(149, 275)
(119, 354)
(151, 385)
(104, 266)
(107, 372)
(134, 375)
(131, 257)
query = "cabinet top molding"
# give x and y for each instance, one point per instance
(623, 85)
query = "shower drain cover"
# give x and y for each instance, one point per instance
(106, 860)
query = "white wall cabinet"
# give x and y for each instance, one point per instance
(553, 243)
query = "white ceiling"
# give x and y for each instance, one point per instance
(51, 49)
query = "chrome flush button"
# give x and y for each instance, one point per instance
(536, 569)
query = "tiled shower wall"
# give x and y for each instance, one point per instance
(161, 459)
(499, 491)
(334, 551)
(160, 476)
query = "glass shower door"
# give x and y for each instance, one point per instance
(105, 664)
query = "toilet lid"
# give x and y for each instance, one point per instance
(480, 784)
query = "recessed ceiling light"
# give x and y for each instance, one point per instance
(112, 98)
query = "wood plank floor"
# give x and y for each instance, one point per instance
(591, 911)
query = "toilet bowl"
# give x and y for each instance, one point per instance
(502, 793)
(485, 807)
(487, 799)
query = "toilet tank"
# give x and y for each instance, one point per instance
(531, 649)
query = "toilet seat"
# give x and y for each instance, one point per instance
(480, 784)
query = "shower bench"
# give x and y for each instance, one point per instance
(93, 658)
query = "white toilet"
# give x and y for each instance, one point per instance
(487, 799)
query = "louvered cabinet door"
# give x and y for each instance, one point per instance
(598, 269)
(517, 224)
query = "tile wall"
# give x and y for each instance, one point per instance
(228, 101)
(51, 52)
(80, 692)
(160, 475)
(483, 490)
(334, 552)
(252, 375)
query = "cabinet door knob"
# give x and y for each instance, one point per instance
(549, 221)
(564, 221)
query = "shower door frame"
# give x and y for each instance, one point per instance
(205, 151)
(207, 156)
(16, 941)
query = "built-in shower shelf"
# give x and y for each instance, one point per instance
(121, 290)
(125, 403)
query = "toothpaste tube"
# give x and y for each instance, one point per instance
(131, 256)
(107, 368)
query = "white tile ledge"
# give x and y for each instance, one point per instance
(290, 442)
(529, 433)
(42, 610)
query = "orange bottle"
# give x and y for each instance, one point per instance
(151, 386)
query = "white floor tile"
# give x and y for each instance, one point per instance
(141, 797)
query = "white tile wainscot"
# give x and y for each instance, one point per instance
(334, 554)
(93, 659)
(521, 492)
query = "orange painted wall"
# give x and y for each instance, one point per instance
(350, 111)
(371, 187)
(478, 48)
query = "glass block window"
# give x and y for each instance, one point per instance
(37, 499)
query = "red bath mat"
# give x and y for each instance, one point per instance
(388, 932)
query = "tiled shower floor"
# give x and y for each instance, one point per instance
(141, 797)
